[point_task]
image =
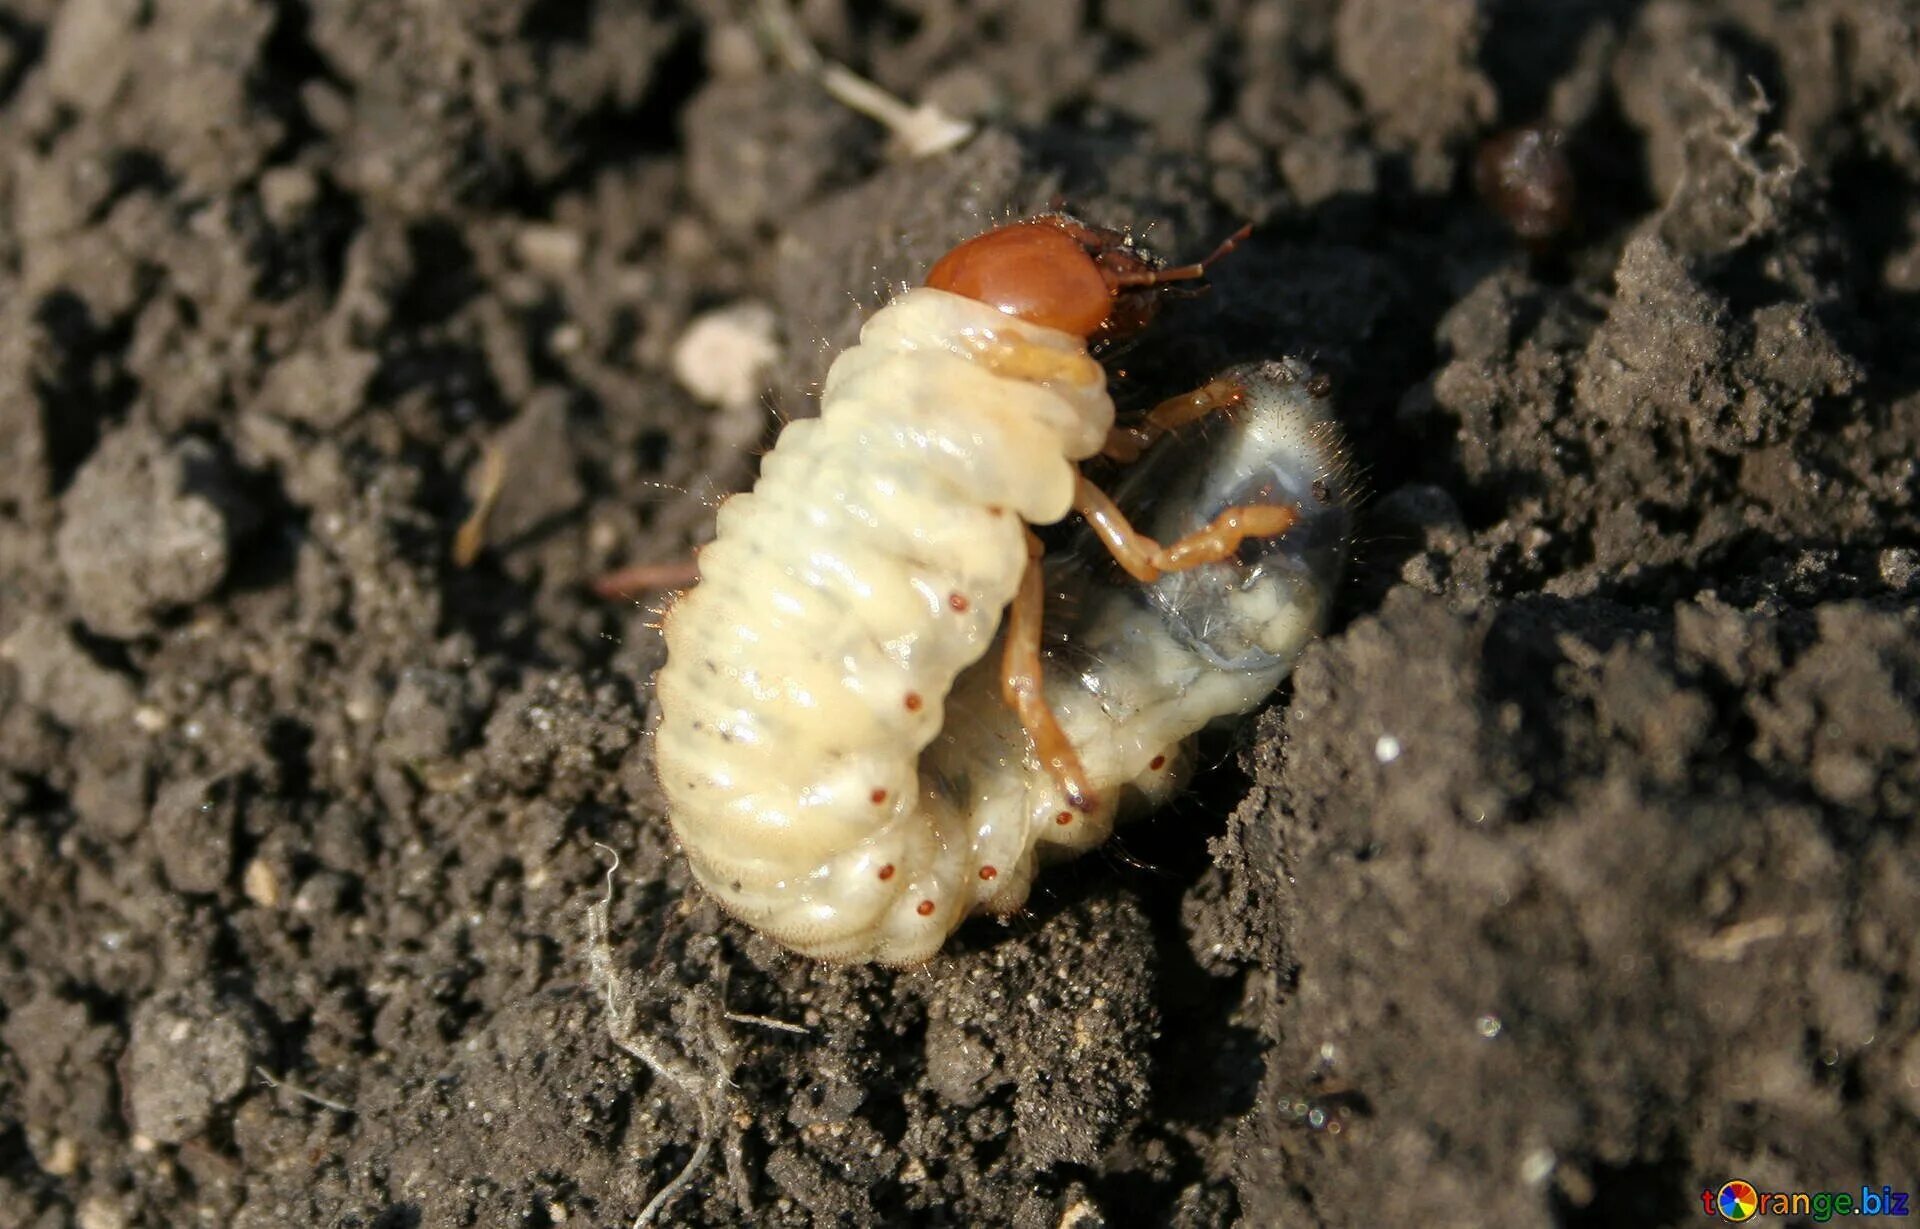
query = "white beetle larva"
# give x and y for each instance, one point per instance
(840, 599)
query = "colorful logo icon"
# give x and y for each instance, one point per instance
(1737, 1201)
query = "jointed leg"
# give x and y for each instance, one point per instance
(1020, 683)
(1125, 444)
(1145, 559)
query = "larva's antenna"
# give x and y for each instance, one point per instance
(1183, 273)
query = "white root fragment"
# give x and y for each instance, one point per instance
(918, 131)
(779, 1026)
(304, 1094)
(705, 1092)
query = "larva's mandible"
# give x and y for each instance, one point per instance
(841, 599)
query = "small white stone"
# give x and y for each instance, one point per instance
(261, 884)
(99, 1212)
(1386, 748)
(724, 356)
(62, 1158)
(552, 250)
(1083, 1212)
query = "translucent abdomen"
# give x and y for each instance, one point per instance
(1142, 668)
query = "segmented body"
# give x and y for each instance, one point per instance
(835, 778)
(839, 600)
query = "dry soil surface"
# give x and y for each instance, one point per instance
(1575, 872)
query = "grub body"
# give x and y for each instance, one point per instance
(838, 602)
(842, 771)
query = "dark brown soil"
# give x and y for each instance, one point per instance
(1576, 872)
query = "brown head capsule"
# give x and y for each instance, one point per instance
(1059, 272)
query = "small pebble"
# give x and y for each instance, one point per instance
(189, 1055)
(1899, 565)
(724, 356)
(147, 527)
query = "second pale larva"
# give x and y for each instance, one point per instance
(1142, 668)
(810, 670)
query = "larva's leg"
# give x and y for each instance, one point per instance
(1145, 559)
(1125, 444)
(1020, 686)
(1022, 360)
